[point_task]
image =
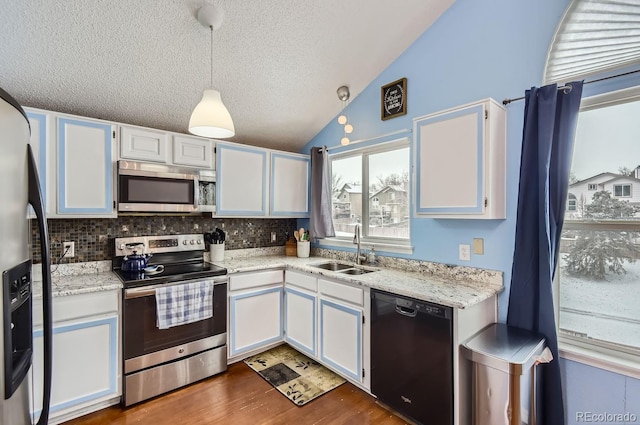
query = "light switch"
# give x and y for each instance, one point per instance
(478, 246)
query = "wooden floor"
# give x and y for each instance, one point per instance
(240, 396)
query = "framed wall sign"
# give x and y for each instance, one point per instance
(393, 99)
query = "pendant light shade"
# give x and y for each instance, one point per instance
(211, 118)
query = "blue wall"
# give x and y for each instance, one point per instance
(480, 49)
(474, 51)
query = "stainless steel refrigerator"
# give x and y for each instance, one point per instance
(19, 187)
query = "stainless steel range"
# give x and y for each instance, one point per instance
(159, 359)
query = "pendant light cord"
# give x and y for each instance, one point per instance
(211, 62)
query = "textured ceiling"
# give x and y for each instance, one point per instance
(146, 62)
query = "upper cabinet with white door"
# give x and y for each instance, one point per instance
(192, 151)
(143, 144)
(86, 152)
(460, 162)
(41, 147)
(149, 145)
(242, 180)
(290, 184)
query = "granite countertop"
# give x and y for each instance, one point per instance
(80, 278)
(454, 286)
(455, 289)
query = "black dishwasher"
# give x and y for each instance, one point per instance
(412, 357)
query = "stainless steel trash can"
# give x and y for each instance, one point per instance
(504, 374)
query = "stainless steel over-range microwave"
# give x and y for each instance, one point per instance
(148, 187)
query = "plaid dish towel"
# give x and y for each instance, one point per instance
(181, 304)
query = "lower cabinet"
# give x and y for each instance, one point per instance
(86, 366)
(341, 338)
(342, 331)
(300, 319)
(255, 312)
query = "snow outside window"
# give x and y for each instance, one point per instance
(599, 262)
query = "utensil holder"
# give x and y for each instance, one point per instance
(303, 249)
(216, 252)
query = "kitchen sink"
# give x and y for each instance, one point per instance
(333, 266)
(355, 271)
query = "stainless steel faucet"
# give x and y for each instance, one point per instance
(356, 240)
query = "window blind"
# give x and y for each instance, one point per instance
(594, 36)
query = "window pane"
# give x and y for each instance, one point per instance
(346, 179)
(600, 244)
(389, 194)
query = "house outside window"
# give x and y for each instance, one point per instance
(571, 203)
(376, 179)
(598, 279)
(622, 190)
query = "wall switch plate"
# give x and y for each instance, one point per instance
(465, 252)
(478, 246)
(273, 236)
(69, 249)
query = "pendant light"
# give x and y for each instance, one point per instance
(343, 95)
(210, 118)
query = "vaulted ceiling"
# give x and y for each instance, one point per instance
(146, 62)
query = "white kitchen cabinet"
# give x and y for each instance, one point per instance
(40, 145)
(300, 312)
(341, 329)
(255, 312)
(289, 185)
(85, 167)
(142, 144)
(192, 151)
(460, 162)
(86, 363)
(242, 188)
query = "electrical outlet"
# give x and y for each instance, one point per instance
(465, 252)
(273, 236)
(69, 249)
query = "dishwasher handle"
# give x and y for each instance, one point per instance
(409, 312)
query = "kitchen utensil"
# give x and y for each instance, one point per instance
(221, 235)
(296, 235)
(135, 262)
(301, 233)
(154, 269)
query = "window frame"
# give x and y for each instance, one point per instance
(602, 354)
(396, 245)
(592, 186)
(622, 186)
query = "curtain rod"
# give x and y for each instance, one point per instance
(508, 101)
(392, 133)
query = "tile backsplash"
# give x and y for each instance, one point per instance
(94, 237)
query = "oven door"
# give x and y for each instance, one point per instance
(145, 345)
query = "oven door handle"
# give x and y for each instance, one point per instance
(147, 291)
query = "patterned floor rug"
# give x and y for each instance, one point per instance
(295, 375)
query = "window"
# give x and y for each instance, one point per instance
(599, 261)
(377, 180)
(622, 190)
(593, 186)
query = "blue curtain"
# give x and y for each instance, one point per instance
(550, 118)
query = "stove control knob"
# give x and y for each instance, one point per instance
(199, 241)
(191, 242)
(184, 242)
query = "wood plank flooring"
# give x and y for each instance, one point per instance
(240, 396)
